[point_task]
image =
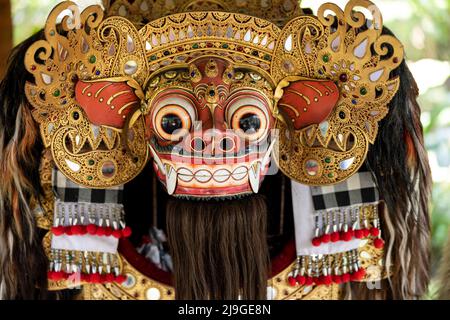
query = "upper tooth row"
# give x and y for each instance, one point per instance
(220, 175)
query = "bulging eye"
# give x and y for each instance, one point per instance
(249, 118)
(173, 118)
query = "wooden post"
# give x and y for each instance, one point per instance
(6, 34)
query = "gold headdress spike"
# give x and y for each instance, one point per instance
(109, 63)
(140, 12)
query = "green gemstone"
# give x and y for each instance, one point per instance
(330, 175)
(327, 160)
(195, 46)
(89, 178)
(267, 57)
(52, 32)
(92, 59)
(91, 162)
(326, 58)
(56, 93)
(363, 91)
(153, 57)
(225, 46)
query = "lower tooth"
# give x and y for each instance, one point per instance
(254, 174)
(171, 179)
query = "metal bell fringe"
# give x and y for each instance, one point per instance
(330, 269)
(78, 266)
(99, 219)
(346, 224)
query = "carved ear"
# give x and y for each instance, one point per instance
(306, 102)
(108, 102)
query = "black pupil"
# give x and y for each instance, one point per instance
(171, 122)
(250, 122)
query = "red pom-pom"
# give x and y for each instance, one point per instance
(347, 236)
(84, 277)
(316, 241)
(117, 234)
(91, 229)
(375, 232)
(50, 275)
(58, 231)
(83, 230)
(76, 230)
(309, 281)
(366, 232)
(94, 278)
(120, 278)
(378, 243)
(126, 232)
(108, 231)
(103, 278)
(109, 277)
(301, 280)
(326, 238)
(100, 231)
(345, 278)
(58, 275)
(292, 281)
(327, 280)
(359, 234)
(318, 280)
(337, 279)
(335, 237)
(68, 231)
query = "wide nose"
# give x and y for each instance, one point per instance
(212, 142)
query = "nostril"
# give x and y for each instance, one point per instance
(197, 144)
(227, 144)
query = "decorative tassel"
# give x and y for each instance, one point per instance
(327, 269)
(346, 224)
(102, 220)
(90, 267)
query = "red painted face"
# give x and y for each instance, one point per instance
(210, 129)
(209, 124)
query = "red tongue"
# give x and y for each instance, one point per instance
(308, 102)
(105, 102)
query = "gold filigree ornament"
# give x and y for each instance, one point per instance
(345, 49)
(82, 47)
(349, 49)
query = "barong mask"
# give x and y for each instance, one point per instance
(200, 93)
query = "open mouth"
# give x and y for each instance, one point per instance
(211, 177)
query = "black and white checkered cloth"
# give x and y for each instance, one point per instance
(359, 189)
(68, 191)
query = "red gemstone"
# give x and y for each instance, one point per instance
(343, 77)
(33, 67)
(209, 45)
(240, 49)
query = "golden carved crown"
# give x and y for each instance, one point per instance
(345, 47)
